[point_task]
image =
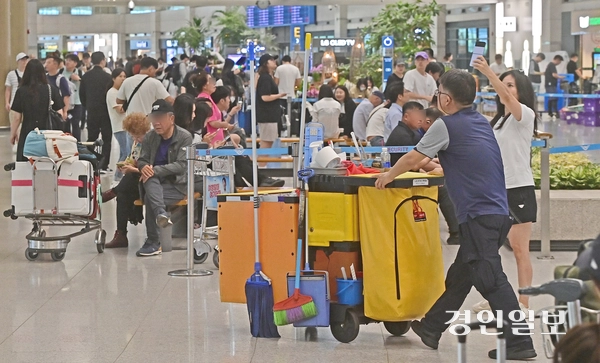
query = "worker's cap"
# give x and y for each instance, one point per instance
(161, 107)
(423, 55)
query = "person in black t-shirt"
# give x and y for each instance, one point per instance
(31, 104)
(405, 134)
(186, 84)
(398, 75)
(552, 78)
(268, 111)
(573, 69)
(535, 76)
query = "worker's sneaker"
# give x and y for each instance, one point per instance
(516, 353)
(119, 240)
(429, 338)
(163, 221)
(149, 249)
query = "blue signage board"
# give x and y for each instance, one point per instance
(280, 15)
(297, 37)
(387, 45)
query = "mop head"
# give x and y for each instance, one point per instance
(259, 298)
(293, 309)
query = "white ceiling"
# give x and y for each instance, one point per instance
(198, 3)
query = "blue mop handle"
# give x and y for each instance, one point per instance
(298, 258)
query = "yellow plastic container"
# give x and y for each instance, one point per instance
(332, 217)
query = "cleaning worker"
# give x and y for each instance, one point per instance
(474, 176)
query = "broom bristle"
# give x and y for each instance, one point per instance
(295, 314)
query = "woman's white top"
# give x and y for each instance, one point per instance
(514, 139)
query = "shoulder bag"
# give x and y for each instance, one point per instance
(128, 101)
(55, 120)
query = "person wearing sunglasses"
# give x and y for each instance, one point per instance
(474, 176)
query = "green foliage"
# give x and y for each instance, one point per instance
(193, 35)
(265, 38)
(233, 23)
(400, 19)
(568, 171)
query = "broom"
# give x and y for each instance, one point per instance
(297, 307)
(259, 292)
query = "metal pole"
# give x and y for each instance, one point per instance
(191, 158)
(289, 115)
(295, 155)
(574, 313)
(545, 201)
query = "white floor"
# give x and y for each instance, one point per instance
(116, 307)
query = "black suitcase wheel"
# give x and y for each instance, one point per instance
(397, 329)
(58, 256)
(216, 258)
(348, 330)
(100, 240)
(31, 255)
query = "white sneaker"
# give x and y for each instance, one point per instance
(483, 305)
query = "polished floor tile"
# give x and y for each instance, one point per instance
(116, 307)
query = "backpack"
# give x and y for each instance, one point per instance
(72, 86)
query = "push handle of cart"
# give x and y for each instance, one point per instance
(566, 290)
(500, 343)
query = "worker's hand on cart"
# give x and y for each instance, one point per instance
(147, 173)
(436, 171)
(383, 180)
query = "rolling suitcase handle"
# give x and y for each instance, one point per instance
(500, 343)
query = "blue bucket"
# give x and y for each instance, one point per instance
(350, 292)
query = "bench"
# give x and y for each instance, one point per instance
(181, 203)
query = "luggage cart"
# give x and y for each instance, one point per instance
(46, 212)
(221, 167)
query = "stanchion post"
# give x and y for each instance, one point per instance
(289, 115)
(545, 200)
(189, 272)
(295, 154)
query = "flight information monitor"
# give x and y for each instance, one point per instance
(280, 16)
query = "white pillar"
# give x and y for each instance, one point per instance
(340, 29)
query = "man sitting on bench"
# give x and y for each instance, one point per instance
(162, 164)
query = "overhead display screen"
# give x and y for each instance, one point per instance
(280, 16)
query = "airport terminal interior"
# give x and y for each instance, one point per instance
(94, 304)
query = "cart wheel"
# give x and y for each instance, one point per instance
(100, 240)
(216, 258)
(31, 255)
(348, 330)
(58, 256)
(200, 258)
(397, 328)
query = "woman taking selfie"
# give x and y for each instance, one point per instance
(514, 125)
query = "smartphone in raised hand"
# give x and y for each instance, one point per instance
(477, 51)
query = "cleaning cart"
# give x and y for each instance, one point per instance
(398, 271)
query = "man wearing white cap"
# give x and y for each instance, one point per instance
(419, 86)
(13, 78)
